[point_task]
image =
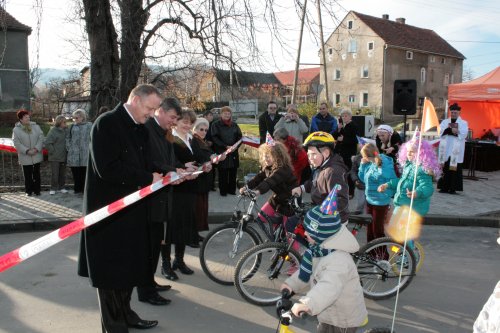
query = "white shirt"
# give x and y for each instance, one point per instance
(463, 129)
(189, 136)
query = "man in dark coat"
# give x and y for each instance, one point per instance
(268, 120)
(162, 160)
(115, 253)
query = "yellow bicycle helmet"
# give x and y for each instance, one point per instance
(319, 139)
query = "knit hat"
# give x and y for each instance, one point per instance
(323, 221)
(386, 128)
(320, 226)
(21, 113)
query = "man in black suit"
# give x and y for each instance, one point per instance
(162, 160)
(115, 253)
(268, 120)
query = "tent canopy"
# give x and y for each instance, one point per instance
(480, 102)
(484, 88)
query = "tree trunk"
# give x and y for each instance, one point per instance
(133, 20)
(104, 58)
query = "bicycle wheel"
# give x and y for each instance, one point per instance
(419, 253)
(379, 263)
(261, 271)
(222, 248)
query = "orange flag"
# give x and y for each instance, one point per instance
(429, 116)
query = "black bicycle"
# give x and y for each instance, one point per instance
(222, 247)
(262, 269)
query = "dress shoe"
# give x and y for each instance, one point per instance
(160, 287)
(168, 273)
(443, 191)
(452, 192)
(155, 299)
(181, 266)
(144, 324)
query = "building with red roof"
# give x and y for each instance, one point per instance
(366, 55)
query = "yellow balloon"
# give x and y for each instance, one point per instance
(401, 218)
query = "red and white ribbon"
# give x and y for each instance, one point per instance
(24, 252)
(7, 144)
(229, 150)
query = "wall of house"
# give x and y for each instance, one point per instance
(14, 74)
(351, 63)
(431, 72)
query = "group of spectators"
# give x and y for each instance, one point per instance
(66, 146)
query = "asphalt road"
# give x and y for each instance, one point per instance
(44, 294)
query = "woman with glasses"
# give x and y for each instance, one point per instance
(77, 144)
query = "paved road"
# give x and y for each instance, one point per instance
(44, 294)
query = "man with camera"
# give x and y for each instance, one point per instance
(292, 123)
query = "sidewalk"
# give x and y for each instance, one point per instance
(478, 205)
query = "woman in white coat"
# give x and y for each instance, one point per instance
(28, 140)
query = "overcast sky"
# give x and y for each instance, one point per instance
(470, 26)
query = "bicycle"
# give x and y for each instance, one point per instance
(258, 273)
(418, 250)
(222, 247)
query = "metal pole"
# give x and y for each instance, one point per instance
(323, 51)
(296, 76)
(231, 73)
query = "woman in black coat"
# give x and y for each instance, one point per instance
(225, 133)
(181, 229)
(347, 142)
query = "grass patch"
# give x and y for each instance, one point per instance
(249, 129)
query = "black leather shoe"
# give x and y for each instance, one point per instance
(155, 299)
(160, 287)
(169, 274)
(144, 324)
(181, 266)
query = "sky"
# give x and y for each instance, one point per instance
(470, 26)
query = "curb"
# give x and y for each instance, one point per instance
(222, 217)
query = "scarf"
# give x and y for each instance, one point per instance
(314, 251)
(27, 128)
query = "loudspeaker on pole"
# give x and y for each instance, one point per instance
(405, 97)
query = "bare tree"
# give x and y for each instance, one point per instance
(123, 33)
(468, 74)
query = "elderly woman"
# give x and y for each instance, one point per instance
(225, 133)
(388, 141)
(55, 142)
(77, 144)
(28, 140)
(293, 123)
(203, 153)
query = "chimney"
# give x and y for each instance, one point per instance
(401, 20)
(385, 16)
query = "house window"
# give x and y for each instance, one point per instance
(349, 24)
(364, 71)
(432, 59)
(352, 98)
(337, 98)
(452, 79)
(364, 97)
(446, 80)
(431, 75)
(210, 85)
(422, 75)
(353, 46)
(443, 61)
(409, 55)
(370, 46)
(336, 75)
(244, 89)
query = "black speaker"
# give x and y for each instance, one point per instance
(405, 97)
